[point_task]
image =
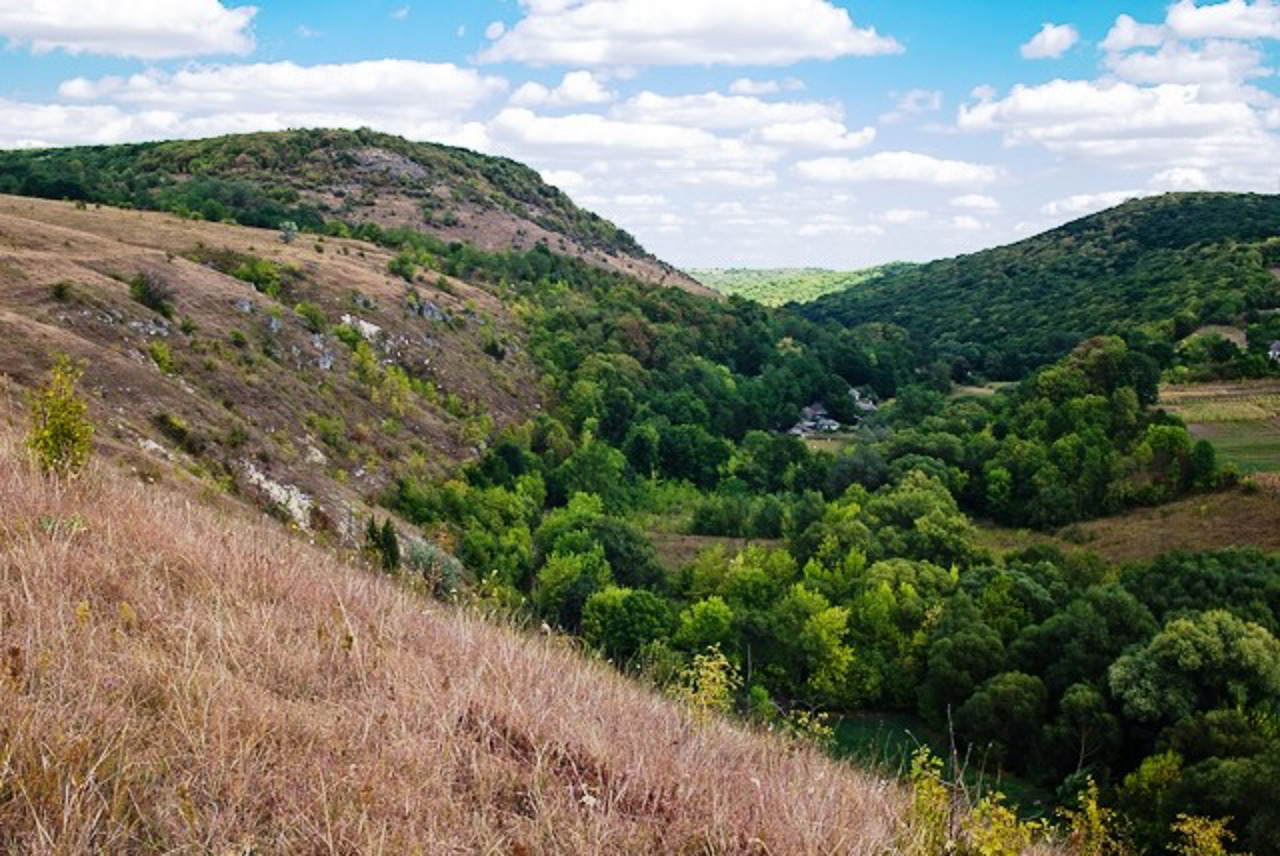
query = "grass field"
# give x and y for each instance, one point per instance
(1237, 518)
(676, 550)
(1242, 420)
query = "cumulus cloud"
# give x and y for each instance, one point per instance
(1169, 123)
(1051, 42)
(576, 87)
(714, 110)
(144, 29)
(900, 216)
(1080, 204)
(285, 87)
(1234, 19)
(1181, 178)
(913, 102)
(1126, 33)
(975, 202)
(909, 167)
(817, 134)
(747, 86)
(677, 32)
(1219, 62)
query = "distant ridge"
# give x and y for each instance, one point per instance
(1198, 257)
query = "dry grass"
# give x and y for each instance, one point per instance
(177, 680)
(1235, 518)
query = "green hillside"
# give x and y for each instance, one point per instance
(776, 286)
(1173, 262)
(336, 181)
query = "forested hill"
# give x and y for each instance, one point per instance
(330, 179)
(1167, 264)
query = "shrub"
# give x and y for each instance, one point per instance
(312, 316)
(161, 356)
(61, 435)
(404, 266)
(148, 290)
(60, 291)
(445, 574)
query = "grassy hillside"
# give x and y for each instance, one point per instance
(259, 387)
(776, 286)
(323, 178)
(175, 679)
(1175, 262)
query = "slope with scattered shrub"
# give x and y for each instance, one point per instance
(178, 679)
(318, 178)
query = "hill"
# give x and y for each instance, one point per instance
(176, 678)
(1172, 263)
(776, 286)
(334, 178)
(296, 375)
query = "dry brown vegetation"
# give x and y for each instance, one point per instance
(176, 679)
(246, 379)
(1235, 518)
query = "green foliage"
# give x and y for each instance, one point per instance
(1006, 310)
(149, 290)
(776, 286)
(60, 435)
(383, 544)
(161, 356)
(1202, 836)
(312, 316)
(565, 584)
(707, 685)
(621, 621)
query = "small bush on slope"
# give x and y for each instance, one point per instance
(176, 679)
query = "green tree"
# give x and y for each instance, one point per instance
(1208, 661)
(61, 435)
(566, 582)
(620, 621)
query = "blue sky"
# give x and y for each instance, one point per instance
(721, 132)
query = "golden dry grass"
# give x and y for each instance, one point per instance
(174, 679)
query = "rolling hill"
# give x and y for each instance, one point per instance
(777, 286)
(358, 178)
(1169, 263)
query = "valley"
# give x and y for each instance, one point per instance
(465, 428)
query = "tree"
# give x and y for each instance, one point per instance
(566, 582)
(1006, 714)
(61, 435)
(1212, 660)
(620, 621)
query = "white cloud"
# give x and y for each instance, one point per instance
(966, 223)
(1181, 178)
(909, 167)
(679, 32)
(1126, 33)
(284, 87)
(1171, 123)
(826, 225)
(912, 102)
(1217, 62)
(576, 87)
(1234, 19)
(713, 110)
(1087, 203)
(747, 86)
(975, 202)
(567, 180)
(145, 29)
(1051, 42)
(495, 30)
(640, 200)
(900, 216)
(817, 134)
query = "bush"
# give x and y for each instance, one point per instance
(148, 290)
(161, 356)
(61, 435)
(312, 316)
(439, 568)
